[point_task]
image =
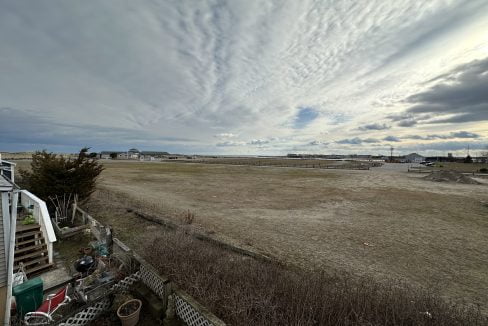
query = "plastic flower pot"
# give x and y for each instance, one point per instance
(129, 311)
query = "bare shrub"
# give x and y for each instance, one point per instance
(188, 217)
(243, 291)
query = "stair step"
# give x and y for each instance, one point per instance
(35, 247)
(32, 254)
(27, 234)
(24, 228)
(32, 262)
(38, 268)
(21, 243)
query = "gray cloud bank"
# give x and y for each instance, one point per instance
(458, 96)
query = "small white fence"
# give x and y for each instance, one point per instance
(41, 215)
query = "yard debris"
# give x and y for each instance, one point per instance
(450, 176)
(368, 244)
(426, 314)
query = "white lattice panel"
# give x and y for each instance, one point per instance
(89, 314)
(126, 283)
(153, 281)
(188, 314)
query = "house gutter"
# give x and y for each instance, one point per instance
(10, 262)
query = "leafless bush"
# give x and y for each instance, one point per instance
(243, 291)
(188, 217)
(142, 205)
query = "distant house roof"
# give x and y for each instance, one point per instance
(154, 153)
(413, 155)
(110, 152)
(133, 150)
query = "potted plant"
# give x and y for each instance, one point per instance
(129, 311)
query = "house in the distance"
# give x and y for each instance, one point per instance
(152, 155)
(414, 158)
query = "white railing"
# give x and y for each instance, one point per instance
(41, 215)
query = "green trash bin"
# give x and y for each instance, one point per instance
(28, 296)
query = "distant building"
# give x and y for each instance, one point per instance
(152, 155)
(414, 158)
(133, 153)
(109, 154)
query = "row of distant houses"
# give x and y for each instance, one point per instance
(410, 158)
(135, 154)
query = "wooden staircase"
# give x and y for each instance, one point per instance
(31, 250)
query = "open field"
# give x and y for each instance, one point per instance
(461, 167)
(383, 222)
(286, 162)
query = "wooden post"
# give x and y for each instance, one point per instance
(74, 213)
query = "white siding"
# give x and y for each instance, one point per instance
(3, 260)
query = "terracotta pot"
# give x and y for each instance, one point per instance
(133, 318)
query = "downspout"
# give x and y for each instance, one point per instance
(10, 262)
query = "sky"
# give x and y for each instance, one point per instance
(245, 77)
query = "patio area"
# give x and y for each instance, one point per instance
(118, 275)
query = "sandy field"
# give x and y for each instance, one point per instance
(384, 222)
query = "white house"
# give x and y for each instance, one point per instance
(12, 197)
(414, 158)
(8, 209)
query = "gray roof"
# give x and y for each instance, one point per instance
(414, 155)
(5, 185)
(110, 152)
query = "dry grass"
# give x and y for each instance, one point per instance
(379, 223)
(243, 291)
(460, 167)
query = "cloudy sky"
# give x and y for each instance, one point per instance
(244, 76)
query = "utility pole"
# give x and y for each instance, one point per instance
(391, 154)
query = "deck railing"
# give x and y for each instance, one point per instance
(41, 215)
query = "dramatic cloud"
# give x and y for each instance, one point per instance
(240, 77)
(391, 138)
(464, 134)
(452, 135)
(445, 146)
(259, 142)
(459, 96)
(352, 141)
(358, 141)
(374, 126)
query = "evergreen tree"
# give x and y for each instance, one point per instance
(52, 175)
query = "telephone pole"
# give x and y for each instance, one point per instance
(391, 154)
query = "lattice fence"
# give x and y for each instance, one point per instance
(89, 314)
(186, 308)
(127, 282)
(188, 314)
(153, 281)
